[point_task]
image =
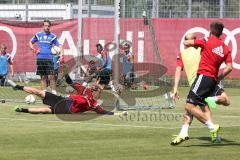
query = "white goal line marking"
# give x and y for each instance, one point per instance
(107, 124)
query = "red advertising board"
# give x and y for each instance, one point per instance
(168, 35)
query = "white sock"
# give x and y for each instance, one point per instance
(184, 130)
(112, 87)
(45, 90)
(210, 125)
(110, 83)
(215, 98)
(84, 84)
(54, 92)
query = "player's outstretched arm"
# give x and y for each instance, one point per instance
(99, 110)
(106, 112)
(68, 79)
(76, 85)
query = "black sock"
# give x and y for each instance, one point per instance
(18, 87)
(68, 79)
(25, 110)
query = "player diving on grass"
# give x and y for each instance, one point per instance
(189, 60)
(84, 100)
(213, 53)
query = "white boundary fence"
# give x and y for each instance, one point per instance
(38, 12)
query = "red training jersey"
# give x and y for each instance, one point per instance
(83, 103)
(82, 90)
(84, 100)
(214, 52)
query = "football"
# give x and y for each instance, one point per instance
(56, 50)
(30, 99)
(145, 86)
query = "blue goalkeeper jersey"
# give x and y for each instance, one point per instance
(45, 42)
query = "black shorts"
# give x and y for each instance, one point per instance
(2, 80)
(217, 91)
(104, 76)
(45, 67)
(202, 87)
(129, 77)
(58, 104)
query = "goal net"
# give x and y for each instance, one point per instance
(136, 28)
(146, 88)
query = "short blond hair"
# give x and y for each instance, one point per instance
(190, 36)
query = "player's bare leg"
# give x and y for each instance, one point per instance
(34, 91)
(205, 119)
(183, 134)
(207, 112)
(203, 116)
(188, 117)
(187, 120)
(53, 84)
(223, 99)
(196, 112)
(43, 83)
(30, 90)
(43, 110)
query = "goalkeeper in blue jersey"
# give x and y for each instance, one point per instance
(45, 66)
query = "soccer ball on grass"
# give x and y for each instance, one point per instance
(30, 99)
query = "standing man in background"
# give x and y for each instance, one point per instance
(5, 62)
(45, 66)
(128, 70)
(104, 68)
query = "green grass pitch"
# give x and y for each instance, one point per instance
(138, 136)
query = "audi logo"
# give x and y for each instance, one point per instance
(230, 37)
